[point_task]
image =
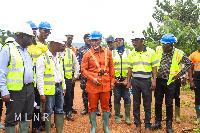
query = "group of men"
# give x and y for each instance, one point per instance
(37, 79)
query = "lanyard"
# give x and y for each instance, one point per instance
(100, 72)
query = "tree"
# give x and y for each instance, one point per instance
(175, 19)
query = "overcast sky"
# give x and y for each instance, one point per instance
(111, 17)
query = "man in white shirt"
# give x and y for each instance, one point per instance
(71, 73)
(51, 84)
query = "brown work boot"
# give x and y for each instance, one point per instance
(147, 130)
(137, 129)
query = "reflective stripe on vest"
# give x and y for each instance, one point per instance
(175, 66)
(15, 76)
(98, 63)
(117, 62)
(68, 63)
(49, 79)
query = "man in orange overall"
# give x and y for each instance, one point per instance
(98, 67)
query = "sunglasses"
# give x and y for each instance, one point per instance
(47, 31)
(109, 42)
(70, 38)
(118, 40)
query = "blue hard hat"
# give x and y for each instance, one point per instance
(44, 25)
(168, 38)
(95, 35)
(33, 26)
(198, 39)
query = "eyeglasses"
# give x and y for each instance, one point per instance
(110, 42)
(118, 40)
(70, 38)
(47, 31)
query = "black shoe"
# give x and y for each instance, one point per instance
(156, 125)
(73, 111)
(97, 112)
(169, 126)
(35, 130)
(85, 111)
(69, 117)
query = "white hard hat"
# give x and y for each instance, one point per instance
(55, 38)
(9, 39)
(138, 36)
(25, 28)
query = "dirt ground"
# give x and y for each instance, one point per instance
(81, 123)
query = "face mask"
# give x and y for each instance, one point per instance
(96, 47)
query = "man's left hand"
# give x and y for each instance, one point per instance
(153, 85)
(73, 80)
(112, 85)
(176, 77)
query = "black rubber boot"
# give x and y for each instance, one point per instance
(85, 111)
(169, 126)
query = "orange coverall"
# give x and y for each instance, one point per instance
(90, 70)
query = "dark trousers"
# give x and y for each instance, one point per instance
(22, 104)
(161, 89)
(67, 99)
(83, 87)
(110, 103)
(72, 95)
(197, 92)
(177, 92)
(120, 91)
(36, 112)
(142, 86)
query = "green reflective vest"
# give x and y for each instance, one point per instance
(49, 79)
(117, 62)
(175, 66)
(15, 76)
(68, 63)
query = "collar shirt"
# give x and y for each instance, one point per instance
(40, 66)
(90, 70)
(5, 61)
(165, 65)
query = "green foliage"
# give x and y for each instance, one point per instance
(180, 19)
(5, 35)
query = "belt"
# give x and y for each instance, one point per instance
(26, 84)
(142, 78)
(58, 84)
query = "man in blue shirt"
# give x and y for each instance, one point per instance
(16, 81)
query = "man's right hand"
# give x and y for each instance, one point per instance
(43, 99)
(128, 86)
(95, 81)
(192, 85)
(6, 98)
(117, 82)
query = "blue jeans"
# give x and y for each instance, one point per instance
(121, 91)
(54, 102)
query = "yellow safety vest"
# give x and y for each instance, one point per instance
(49, 79)
(68, 63)
(117, 62)
(15, 76)
(142, 63)
(175, 66)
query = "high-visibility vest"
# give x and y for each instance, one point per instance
(100, 71)
(15, 76)
(117, 62)
(49, 79)
(142, 63)
(195, 57)
(74, 49)
(175, 66)
(68, 63)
